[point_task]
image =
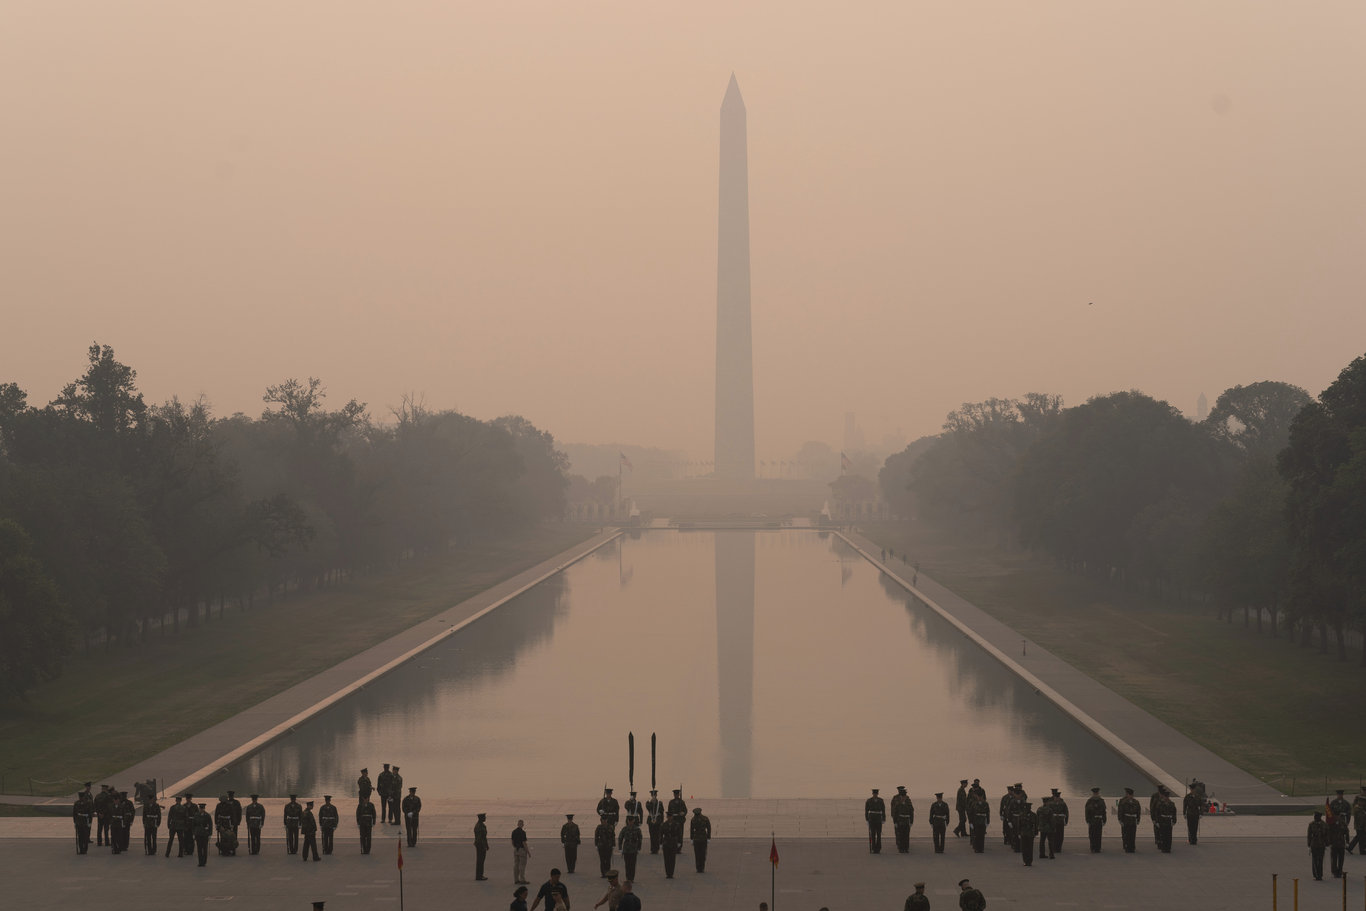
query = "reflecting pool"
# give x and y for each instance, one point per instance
(768, 664)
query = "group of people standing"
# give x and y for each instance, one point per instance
(1021, 824)
(1330, 833)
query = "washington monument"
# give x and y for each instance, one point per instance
(734, 360)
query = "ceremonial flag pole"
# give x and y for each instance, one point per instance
(631, 763)
(773, 877)
(400, 873)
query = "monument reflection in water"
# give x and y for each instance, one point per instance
(771, 664)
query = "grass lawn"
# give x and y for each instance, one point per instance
(108, 710)
(1283, 712)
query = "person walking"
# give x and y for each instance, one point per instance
(1192, 809)
(82, 816)
(1318, 840)
(1026, 827)
(151, 821)
(961, 807)
(521, 853)
(939, 822)
(1337, 832)
(979, 817)
(175, 828)
(570, 838)
(309, 826)
(612, 898)
(673, 843)
(699, 833)
(554, 892)
(604, 839)
(1061, 817)
(969, 898)
(629, 842)
(203, 828)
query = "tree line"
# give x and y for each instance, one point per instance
(1259, 508)
(118, 517)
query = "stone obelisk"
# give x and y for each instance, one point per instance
(734, 359)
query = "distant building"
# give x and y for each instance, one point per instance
(1201, 408)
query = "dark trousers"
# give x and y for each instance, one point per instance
(571, 857)
(1046, 846)
(479, 855)
(327, 840)
(962, 828)
(875, 836)
(201, 844)
(291, 839)
(254, 839)
(1192, 829)
(82, 839)
(979, 836)
(101, 832)
(172, 839)
(1356, 840)
(149, 839)
(1316, 862)
(1057, 840)
(311, 844)
(393, 809)
(903, 837)
(1164, 838)
(116, 839)
(1128, 833)
(670, 854)
(410, 826)
(365, 839)
(1093, 830)
(1027, 849)
(629, 862)
(604, 858)
(937, 832)
(1007, 832)
(654, 836)
(383, 809)
(699, 854)
(1336, 852)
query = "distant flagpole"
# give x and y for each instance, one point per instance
(400, 873)
(773, 874)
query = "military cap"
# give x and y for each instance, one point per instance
(188, 795)
(89, 784)
(293, 796)
(395, 768)
(365, 771)
(678, 790)
(1056, 792)
(201, 806)
(919, 885)
(962, 883)
(566, 816)
(613, 874)
(386, 765)
(1318, 815)
(874, 790)
(232, 793)
(1128, 790)
(936, 793)
(1019, 784)
(653, 791)
(609, 791)
(962, 781)
(412, 790)
(308, 803)
(977, 781)
(327, 797)
(254, 796)
(485, 815)
(697, 810)
(901, 787)
(1340, 790)
(1095, 790)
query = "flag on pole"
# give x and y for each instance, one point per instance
(773, 853)
(400, 854)
(626, 463)
(845, 464)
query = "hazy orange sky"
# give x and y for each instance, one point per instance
(511, 206)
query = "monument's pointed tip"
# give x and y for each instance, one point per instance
(732, 92)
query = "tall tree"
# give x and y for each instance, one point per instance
(37, 630)
(1256, 418)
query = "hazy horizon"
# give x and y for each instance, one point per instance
(512, 208)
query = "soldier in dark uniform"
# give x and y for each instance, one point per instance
(939, 820)
(412, 808)
(103, 807)
(481, 846)
(979, 817)
(364, 787)
(365, 823)
(654, 819)
(672, 836)
(222, 814)
(309, 826)
(191, 828)
(383, 787)
(1129, 811)
(328, 819)
(630, 845)
(395, 796)
(1163, 822)
(1048, 819)
(1026, 827)
(122, 818)
(699, 833)
(292, 815)
(918, 900)
(978, 789)
(569, 837)
(678, 807)
(1358, 823)
(175, 828)
(151, 821)
(874, 812)
(1061, 817)
(1318, 840)
(604, 839)
(83, 816)
(235, 806)
(969, 899)
(634, 808)
(609, 811)
(1337, 832)
(203, 828)
(1096, 815)
(255, 815)
(961, 807)
(903, 814)
(1006, 809)
(1192, 811)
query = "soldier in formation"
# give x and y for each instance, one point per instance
(364, 787)
(255, 815)
(104, 806)
(939, 821)
(234, 811)
(699, 833)
(412, 811)
(222, 817)
(874, 812)
(1096, 815)
(1163, 814)
(672, 836)
(634, 808)
(1192, 809)
(918, 900)
(151, 821)
(903, 815)
(83, 815)
(604, 839)
(1318, 840)
(1358, 823)
(979, 817)
(328, 819)
(395, 796)
(630, 843)
(175, 828)
(293, 817)
(365, 822)
(1006, 810)
(654, 819)
(1026, 827)
(481, 846)
(1341, 812)
(1129, 811)
(1048, 821)
(608, 810)
(570, 838)
(308, 824)
(1061, 817)
(383, 787)
(202, 824)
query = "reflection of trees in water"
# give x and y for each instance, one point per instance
(317, 755)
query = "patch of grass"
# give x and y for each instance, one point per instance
(1279, 710)
(111, 709)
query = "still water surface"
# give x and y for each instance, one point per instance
(769, 663)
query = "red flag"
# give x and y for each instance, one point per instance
(845, 464)
(400, 854)
(626, 462)
(773, 853)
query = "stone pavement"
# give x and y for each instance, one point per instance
(1165, 754)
